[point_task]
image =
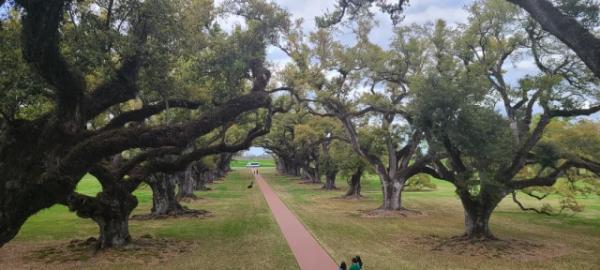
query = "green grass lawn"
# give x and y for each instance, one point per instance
(240, 163)
(242, 234)
(569, 242)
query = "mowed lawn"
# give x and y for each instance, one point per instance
(242, 234)
(562, 242)
(241, 163)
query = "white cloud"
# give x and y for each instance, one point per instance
(418, 12)
(453, 15)
(526, 64)
(307, 9)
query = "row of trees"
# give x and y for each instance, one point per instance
(131, 92)
(139, 91)
(439, 100)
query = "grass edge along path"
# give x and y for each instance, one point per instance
(308, 252)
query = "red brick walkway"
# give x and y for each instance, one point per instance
(309, 254)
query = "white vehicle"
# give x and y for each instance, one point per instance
(252, 164)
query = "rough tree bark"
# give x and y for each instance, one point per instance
(210, 176)
(280, 165)
(392, 193)
(354, 186)
(478, 212)
(311, 175)
(330, 177)
(164, 201)
(293, 170)
(223, 164)
(331, 168)
(201, 182)
(201, 178)
(110, 209)
(186, 184)
(286, 166)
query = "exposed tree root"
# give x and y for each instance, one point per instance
(188, 198)
(309, 182)
(379, 212)
(491, 247)
(146, 248)
(182, 213)
(352, 197)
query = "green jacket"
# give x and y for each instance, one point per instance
(354, 266)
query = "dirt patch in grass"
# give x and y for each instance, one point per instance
(308, 182)
(350, 198)
(380, 213)
(78, 253)
(189, 199)
(186, 213)
(513, 249)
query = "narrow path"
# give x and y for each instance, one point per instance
(309, 254)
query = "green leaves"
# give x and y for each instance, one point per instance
(23, 94)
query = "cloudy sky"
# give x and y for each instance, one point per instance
(419, 12)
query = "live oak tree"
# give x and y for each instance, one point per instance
(567, 20)
(351, 166)
(306, 144)
(376, 121)
(45, 155)
(280, 143)
(120, 176)
(297, 143)
(479, 150)
(565, 139)
(314, 139)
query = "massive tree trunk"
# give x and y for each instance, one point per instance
(27, 153)
(330, 177)
(110, 209)
(280, 165)
(311, 175)
(478, 212)
(293, 170)
(286, 166)
(290, 168)
(164, 201)
(210, 176)
(201, 179)
(201, 182)
(223, 165)
(392, 193)
(186, 184)
(354, 183)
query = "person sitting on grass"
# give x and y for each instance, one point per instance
(355, 265)
(343, 266)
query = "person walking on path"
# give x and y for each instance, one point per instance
(343, 266)
(359, 261)
(355, 265)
